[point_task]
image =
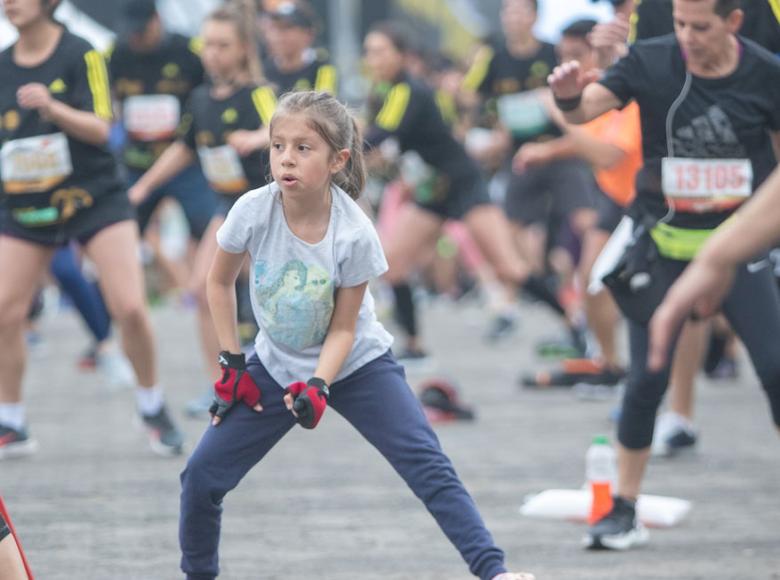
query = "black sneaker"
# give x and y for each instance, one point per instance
(618, 530)
(16, 443)
(164, 438)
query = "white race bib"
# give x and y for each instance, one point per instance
(35, 164)
(523, 114)
(151, 117)
(222, 167)
(704, 185)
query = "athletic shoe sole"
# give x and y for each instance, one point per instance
(21, 449)
(638, 536)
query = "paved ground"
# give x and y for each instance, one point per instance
(95, 504)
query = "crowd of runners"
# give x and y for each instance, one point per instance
(587, 178)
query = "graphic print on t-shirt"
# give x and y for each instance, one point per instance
(295, 302)
(709, 135)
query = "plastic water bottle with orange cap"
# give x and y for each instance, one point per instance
(601, 473)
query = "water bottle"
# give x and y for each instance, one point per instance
(601, 472)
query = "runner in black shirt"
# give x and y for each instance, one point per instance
(710, 111)
(292, 64)
(511, 80)
(225, 128)
(59, 183)
(404, 110)
(153, 74)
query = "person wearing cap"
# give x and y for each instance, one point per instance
(292, 64)
(153, 73)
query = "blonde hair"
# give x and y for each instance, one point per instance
(336, 125)
(242, 14)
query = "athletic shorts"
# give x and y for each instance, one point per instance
(106, 211)
(610, 213)
(554, 190)
(190, 189)
(457, 197)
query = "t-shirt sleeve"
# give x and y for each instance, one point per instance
(395, 117)
(479, 78)
(363, 259)
(91, 89)
(186, 129)
(622, 78)
(235, 234)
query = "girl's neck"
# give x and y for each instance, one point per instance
(308, 216)
(37, 42)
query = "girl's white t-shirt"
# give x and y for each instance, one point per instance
(292, 282)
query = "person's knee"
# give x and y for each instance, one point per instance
(13, 314)
(637, 418)
(130, 313)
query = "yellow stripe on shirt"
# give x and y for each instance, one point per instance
(394, 109)
(479, 69)
(775, 4)
(265, 103)
(326, 79)
(97, 77)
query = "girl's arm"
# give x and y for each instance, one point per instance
(341, 332)
(174, 159)
(82, 125)
(221, 292)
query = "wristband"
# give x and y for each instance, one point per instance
(570, 104)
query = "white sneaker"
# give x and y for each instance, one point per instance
(672, 434)
(515, 576)
(115, 369)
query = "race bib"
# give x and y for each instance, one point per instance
(151, 117)
(222, 167)
(523, 114)
(706, 185)
(35, 164)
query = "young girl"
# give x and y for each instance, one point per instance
(308, 214)
(225, 128)
(59, 183)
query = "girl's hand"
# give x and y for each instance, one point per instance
(35, 96)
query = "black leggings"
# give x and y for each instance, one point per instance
(753, 309)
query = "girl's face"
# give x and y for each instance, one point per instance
(22, 13)
(383, 60)
(223, 51)
(302, 162)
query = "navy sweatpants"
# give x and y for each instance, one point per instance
(377, 401)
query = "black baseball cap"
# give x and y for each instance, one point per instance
(136, 14)
(293, 14)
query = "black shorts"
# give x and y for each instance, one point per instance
(457, 197)
(107, 210)
(554, 190)
(610, 213)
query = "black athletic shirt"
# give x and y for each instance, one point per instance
(206, 124)
(48, 176)
(317, 74)
(407, 110)
(762, 21)
(172, 70)
(496, 73)
(719, 118)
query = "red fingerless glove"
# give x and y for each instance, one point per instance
(310, 399)
(235, 385)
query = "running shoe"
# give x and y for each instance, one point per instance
(164, 438)
(573, 373)
(198, 408)
(500, 327)
(618, 530)
(16, 443)
(88, 360)
(672, 435)
(115, 369)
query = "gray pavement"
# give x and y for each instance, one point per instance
(94, 503)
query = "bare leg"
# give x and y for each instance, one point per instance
(11, 565)
(631, 470)
(23, 265)
(417, 229)
(686, 365)
(114, 250)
